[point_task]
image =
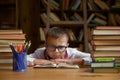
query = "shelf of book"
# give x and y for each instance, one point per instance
(68, 14)
(108, 14)
(80, 14)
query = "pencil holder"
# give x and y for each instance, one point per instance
(19, 60)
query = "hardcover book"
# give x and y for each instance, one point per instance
(107, 48)
(105, 42)
(106, 53)
(106, 32)
(108, 37)
(103, 62)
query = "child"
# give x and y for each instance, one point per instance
(57, 50)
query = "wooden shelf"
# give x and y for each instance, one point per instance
(67, 23)
(76, 25)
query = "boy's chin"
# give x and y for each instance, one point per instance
(57, 57)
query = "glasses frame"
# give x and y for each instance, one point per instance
(56, 47)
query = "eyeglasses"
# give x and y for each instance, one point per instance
(53, 48)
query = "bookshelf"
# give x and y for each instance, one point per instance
(30, 18)
(105, 15)
(9, 14)
(106, 12)
(66, 14)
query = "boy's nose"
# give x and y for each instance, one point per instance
(56, 50)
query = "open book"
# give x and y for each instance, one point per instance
(60, 65)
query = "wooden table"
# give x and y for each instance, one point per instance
(56, 74)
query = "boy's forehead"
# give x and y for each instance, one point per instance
(53, 40)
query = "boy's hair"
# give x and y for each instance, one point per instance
(56, 32)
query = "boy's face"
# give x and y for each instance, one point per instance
(56, 47)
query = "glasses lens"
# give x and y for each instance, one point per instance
(50, 48)
(53, 48)
(61, 48)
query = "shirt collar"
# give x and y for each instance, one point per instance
(47, 57)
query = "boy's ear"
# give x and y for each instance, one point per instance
(45, 43)
(67, 44)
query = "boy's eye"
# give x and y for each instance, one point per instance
(53, 48)
(61, 47)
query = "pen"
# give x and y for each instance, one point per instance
(26, 46)
(12, 48)
(22, 47)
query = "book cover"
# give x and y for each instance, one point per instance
(76, 5)
(92, 4)
(107, 27)
(54, 5)
(94, 22)
(106, 53)
(6, 61)
(54, 17)
(106, 32)
(6, 65)
(65, 4)
(42, 34)
(5, 55)
(5, 49)
(102, 4)
(105, 42)
(100, 21)
(90, 17)
(107, 48)
(7, 41)
(107, 59)
(102, 16)
(71, 35)
(102, 64)
(11, 32)
(43, 16)
(104, 37)
(111, 19)
(78, 17)
(14, 36)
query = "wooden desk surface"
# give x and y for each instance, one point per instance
(56, 74)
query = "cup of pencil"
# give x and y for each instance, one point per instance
(19, 57)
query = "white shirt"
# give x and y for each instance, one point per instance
(71, 52)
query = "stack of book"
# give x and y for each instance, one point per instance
(7, 37)
(104, 65)
(106, 44)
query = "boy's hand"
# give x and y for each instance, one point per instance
(42, 61)
(69, 61)
(57, 61)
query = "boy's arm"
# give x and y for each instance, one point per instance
(42, 61)
(37, 58)
(78, 61)
(31, 61)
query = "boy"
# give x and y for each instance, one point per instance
(57, 50)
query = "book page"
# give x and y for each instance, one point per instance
(64, 65)
(45, 66)
(60, 65)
